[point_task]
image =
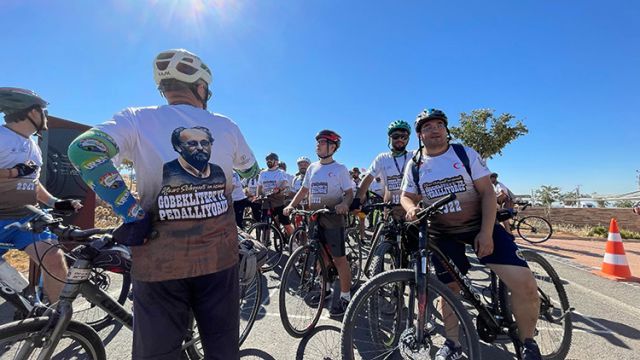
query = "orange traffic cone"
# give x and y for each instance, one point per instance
(614, 264)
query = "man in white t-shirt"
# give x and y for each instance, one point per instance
(250, 186)
(327, 183)
(289, 192)
(303, 163)
(272, 187)
(469, 219)
(182, 230)
(504, 197)
(390, 166)
(20, 166)
(240, 200)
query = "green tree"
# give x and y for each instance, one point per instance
(487, 134)
(570, 198)
(624, 204)
(547, 194)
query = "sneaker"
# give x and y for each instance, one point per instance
(339, 307)
(449, 351)
(530, 350)
(315, 299)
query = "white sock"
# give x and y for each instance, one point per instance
(345, 295)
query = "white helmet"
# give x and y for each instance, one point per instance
(179, 64)
(303, 159)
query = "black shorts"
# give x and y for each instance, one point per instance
(505, 251)
(330, 230)
(277, 211)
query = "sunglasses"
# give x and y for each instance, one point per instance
(399, 136)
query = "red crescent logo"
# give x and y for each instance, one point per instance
(457, 165)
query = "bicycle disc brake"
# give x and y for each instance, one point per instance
(410, 349)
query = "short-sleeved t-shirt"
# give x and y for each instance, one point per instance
(252, 185)
(269, 180)
(197, 233)
(297, 185)
(18, 192)
(390, 169)
(238, 192)
(327, 184)
(445, 174)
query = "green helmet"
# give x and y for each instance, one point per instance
(398, 125)
(13, 100)
(430, 114)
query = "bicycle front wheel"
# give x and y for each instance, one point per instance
(272, 239)
(554, 327)
(393, 336)
(250, 302)
(302, 291)
(534, 229)
(25, 339)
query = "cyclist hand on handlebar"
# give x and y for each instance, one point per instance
(342, 209)
(287, 210)
(412, 214)
(68, 205)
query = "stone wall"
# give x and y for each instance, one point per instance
(627, 220)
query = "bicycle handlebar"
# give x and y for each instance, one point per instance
(433, 208)
(311, 213)
(42, 220)
(387, 205)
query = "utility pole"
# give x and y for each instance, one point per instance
(578, 195)
(638, 177)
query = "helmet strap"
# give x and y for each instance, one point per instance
(38, 128)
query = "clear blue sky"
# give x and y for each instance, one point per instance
(285, 69)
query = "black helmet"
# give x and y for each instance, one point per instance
(430, 114)
(13, 100)
(273, 156)
(330, 136)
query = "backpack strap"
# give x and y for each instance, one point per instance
(462, 155)
(415, 170)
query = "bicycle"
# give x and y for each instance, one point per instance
(269, 234)
(494, 320)
(369, 332)
(111, 278)
(305, 278)
(532, 228)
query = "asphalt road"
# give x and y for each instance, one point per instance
(606, 323)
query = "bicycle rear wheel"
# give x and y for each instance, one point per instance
(534, 229)
(24, 339)
(302, 291)
(250, 302)
(354, 253)
(393, 336)
(272, 239)
(554, 329)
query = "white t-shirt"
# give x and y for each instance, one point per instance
(196, 231)
(18, 192)
(390, 169)
(270, 179)
(238, 192)
(445, 174)
(251, 185)
(500, 187)
(377, 187)
(326, 184)
(296, 185)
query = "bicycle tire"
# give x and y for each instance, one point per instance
(534, 229)
(376, 239)
(300, 270)
(250, 302)
(82, 339)
(272, 239)
(298, 238)
(547, 335)
(353, 252)
(93, 315)
(435, 290)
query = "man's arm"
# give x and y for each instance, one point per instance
(343, 207)
(484, 239)
(409, 202)
(364, 186)
(94, 163)
(45, 196)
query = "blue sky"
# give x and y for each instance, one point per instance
(570, 70)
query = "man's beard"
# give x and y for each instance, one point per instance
(399, 148)
(198, 159)
(302, 171)
(271, 164)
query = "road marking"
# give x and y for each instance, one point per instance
(616, 302)
(596, 323)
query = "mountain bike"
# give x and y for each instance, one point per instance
(114, 279)
(380, 324)
(305, 278)
(55, 334)
(532, 228)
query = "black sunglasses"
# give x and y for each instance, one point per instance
(399, 136)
